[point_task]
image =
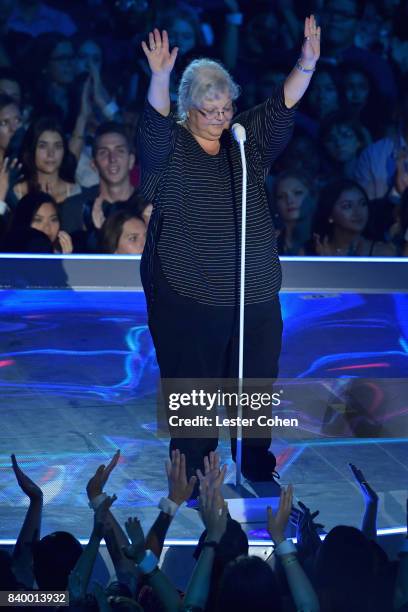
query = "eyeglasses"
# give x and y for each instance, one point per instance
(13, 122)
(213, 114)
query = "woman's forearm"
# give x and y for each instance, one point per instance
(165, 591)
(157, 533)
(199, 585)
(301, 589)
(296, 84)
(159, 93)
(22, 553)
(369, 526)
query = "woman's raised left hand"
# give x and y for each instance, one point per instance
(311, 43)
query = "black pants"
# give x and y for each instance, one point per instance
(194, 341)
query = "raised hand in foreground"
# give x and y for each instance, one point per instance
(180, 489)
(278, 522)
(99, 479)
(28, 486)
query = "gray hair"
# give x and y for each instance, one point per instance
(203, 78)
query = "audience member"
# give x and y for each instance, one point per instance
(348, 570)
(10, 85)
(123, 233)
(342, 139)
(321, 101)
(361, 100)
(47, 162)
(382, 168)
(341, 21)
(52, 77)
(113, 160)
(85, 67)
(296, 206)
(10, 121)
(340, 222)
(37, 211)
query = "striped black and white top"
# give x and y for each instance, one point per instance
(195, 227)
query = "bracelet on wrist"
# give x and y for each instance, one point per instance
(285, 548)
(149, 563)
(299, 66)
(168, 506)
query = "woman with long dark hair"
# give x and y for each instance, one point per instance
(341, 222)
(35, 227)
(48, 165)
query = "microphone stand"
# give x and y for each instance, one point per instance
(240, 136)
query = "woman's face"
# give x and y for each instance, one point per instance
(89, 54)
(61, 66)
(46, 221)
(350, 211)
(132, 238)
(323, 94)
(10, 121)
(181, 34)
(49, 152)
(290, 195)
(212, 117)
(356, 89)
(342, 143)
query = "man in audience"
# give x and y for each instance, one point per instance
(83, 215)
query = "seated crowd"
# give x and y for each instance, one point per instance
(73, 82)
(347, 571)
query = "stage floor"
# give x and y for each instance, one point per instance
(78, 380)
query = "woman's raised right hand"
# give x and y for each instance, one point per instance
(161, 61)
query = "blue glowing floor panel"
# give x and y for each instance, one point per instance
(78, 379)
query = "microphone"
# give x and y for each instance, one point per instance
(239, 133)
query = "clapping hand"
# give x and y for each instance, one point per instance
(65, 242)
(277, 523)
(25, 483)
(311, 43)
(10, 174)
(161, 60)
(136, 550)
(180, 489)
(370, 495)
(322, 248)
(99, 479)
